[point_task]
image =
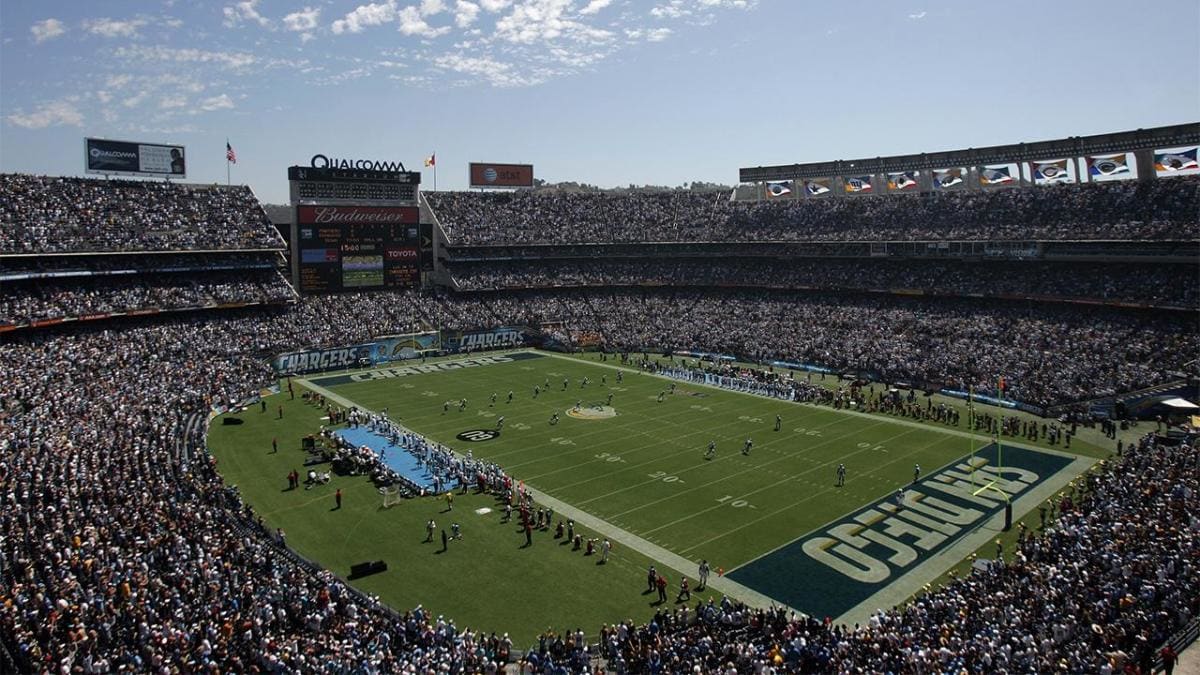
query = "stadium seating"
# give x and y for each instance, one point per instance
(43, 214)
(122, 549)
(1162, 209)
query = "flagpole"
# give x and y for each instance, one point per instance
(227, 181)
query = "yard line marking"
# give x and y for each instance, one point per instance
(822, 490)
(750, 467)
(753, 492)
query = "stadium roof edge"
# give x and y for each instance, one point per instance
(1073, 146)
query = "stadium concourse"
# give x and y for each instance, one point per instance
(122, 548)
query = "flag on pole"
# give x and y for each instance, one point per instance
(431, 160)
(230, 155)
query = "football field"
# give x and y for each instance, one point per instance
(633, 453)
(643, 469)
(628, 451)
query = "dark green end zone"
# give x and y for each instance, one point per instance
(833, 569)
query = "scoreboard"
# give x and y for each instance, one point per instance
(356, 227)
(357, 247)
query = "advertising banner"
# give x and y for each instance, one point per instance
(128, 158)
(485, 175)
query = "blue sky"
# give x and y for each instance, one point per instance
(609, 92)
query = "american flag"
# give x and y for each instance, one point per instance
(230, 155)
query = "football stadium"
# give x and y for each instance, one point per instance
(934, 412)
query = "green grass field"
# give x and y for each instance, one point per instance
(642, 471)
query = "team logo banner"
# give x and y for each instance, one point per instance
(495, 338)
(779, 188)
(945, 179)
(404, 347)
(904, 180)
(817, 187)
(858, 184)
(995, 175)
(1050, 171)
(851, 559)
(1108, 165)
(320, 360)
(1167, 162)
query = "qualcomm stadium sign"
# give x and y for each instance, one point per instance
(832, 570)
(324, 162)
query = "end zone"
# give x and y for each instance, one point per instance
(880, 554)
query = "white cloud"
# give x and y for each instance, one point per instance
(117, 81)
(494, 6)
(465, 13)
(104, 96)
(159, 53)
(496, 73)
(111, 28)
(595, 6)
(431, 7)
(46, 30)
(649, 34)
(176, 101)
(363, 16)
(302, 21)
(221, 102)
(411, 23)
(57, 113)
(918, 15)
(544, 20)
(245, 11)
(674, 9)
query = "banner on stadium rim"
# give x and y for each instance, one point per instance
(320, 360)
(1050, 171)
(1104, 166)
(778, 188)
(1168, 162)
(995, 175)
(857, 184)
(454, 341)
(945, 179)
(402, 347)
(817, 187)
(903, 180)
(132, 158)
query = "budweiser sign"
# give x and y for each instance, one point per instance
(322, 215)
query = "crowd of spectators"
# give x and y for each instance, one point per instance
(71, 266)
(1047, 354)
(52, 214)
(1098, 591)
(119, 552)
(1129, 210)
(1149, 284)
(26, 302)
(121, 549)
